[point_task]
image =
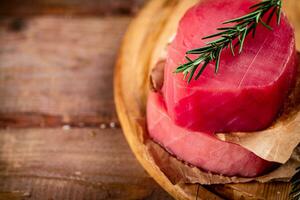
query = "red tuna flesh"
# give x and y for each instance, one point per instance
(199, 148)
(249, 89)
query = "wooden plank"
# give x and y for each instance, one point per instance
(253, 191)
(41, 62)
(69, 7)
(71, 164)
(57, 70)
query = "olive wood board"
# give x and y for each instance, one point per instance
(131, 88)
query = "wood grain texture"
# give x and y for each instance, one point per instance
(58, 70)
(253, 191)
(69, 7)
(71, 164)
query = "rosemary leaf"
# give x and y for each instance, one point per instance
(186, 57)
(243, 17)
(259, 4)
(192, 74)
(202, 69)
(242, 40)
(218, 60)
(216, 34)
(231, 48)
(266, 25)
(279, 14)
(271, 15)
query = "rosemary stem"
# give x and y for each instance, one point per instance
(227, 35)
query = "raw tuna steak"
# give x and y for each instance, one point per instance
(249, 89)
(199, 148)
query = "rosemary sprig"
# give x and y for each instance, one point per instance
(229, 35)
(295, 192)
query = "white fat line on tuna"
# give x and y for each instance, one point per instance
(178, 138)
(261, 47)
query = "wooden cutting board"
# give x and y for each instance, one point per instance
(139, 51)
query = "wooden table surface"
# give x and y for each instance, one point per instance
(60, 137)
